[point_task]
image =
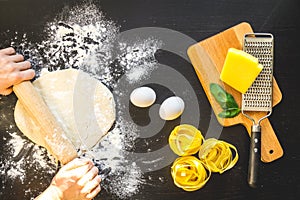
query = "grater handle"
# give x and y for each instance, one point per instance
(254, 157)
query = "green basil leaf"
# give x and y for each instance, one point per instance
(229, 113)
(219, 94)
(231, 103)
(225, 100)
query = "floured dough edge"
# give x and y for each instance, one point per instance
(104, 109)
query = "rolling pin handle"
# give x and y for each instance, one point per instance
(51, 132)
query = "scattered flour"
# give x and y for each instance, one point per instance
(82, 38)
(125, 177)
(138, 59)
(21, 158)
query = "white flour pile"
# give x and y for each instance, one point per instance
(82, 38)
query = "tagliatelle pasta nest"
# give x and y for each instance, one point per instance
(218, 155)
(185, 140)
(191, 173)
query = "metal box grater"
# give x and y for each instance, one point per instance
(258, 97)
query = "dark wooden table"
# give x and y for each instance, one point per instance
(197, 19)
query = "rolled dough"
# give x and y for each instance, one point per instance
(83, 106)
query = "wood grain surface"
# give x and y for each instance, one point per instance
(208, 57)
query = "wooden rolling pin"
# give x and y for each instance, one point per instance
(52, 133)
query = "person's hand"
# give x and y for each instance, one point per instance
(77, 180)
(13, 70)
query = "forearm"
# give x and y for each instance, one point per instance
(51, 193)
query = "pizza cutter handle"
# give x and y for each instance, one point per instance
(254, 157)
(51, 131)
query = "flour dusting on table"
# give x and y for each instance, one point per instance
(15, 166)
(83, 38)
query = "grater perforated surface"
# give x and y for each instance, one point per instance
(259, 96)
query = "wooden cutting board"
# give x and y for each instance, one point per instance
(208, 57)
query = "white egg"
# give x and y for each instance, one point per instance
(143, 97)
(171, 108)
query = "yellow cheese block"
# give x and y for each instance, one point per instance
(240, 69)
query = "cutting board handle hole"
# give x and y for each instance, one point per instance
(271, 151)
